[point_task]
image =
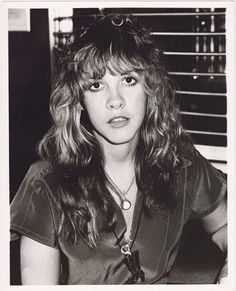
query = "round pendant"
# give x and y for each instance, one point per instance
(125, 204)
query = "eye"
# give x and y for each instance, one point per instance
(129, 81)
(96, 86)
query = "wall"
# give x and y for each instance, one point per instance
(29, 90)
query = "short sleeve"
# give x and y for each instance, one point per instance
(209, 187)
(31, 211)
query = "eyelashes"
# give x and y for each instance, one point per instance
(129, 81)
(96, 86)
(125, 81)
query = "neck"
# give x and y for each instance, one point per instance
(119, 167)
(120, 170)
(118, 157)
(119, 163)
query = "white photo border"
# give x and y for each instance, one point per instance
(4, 144)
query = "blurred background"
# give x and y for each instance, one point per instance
(193, 41)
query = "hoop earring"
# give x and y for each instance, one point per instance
(117, 21)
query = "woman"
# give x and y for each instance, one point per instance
(118, 177)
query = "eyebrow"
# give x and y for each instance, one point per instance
(138, 72)
(91, 79)
(130, 71)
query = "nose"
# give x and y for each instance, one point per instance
(115, 100)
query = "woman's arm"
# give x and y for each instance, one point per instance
(216, 225)
(40, 264)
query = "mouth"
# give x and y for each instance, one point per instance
(118, 121)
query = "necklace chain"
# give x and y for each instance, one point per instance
(125, 204)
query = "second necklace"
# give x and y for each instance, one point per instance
(125, 203)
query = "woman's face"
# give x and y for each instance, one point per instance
(116, 106)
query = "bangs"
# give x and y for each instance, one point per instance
(96, 62)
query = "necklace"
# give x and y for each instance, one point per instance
(131, 259)
(125, 203)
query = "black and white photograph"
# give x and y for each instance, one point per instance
(120, 124)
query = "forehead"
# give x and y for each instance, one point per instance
(115, 66)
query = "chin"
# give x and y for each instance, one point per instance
(119, 140)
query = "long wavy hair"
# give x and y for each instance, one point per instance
(116, 43)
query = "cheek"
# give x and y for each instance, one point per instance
(141, 103)
(93, 102)
(94, 114)
(90, 106)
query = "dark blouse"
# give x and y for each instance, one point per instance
(200, 189)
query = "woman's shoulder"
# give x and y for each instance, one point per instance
(42, 171)
(196, 164)
(34, 209)
(39, 183)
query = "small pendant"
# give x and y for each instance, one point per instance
(125, 204)
(125, 249)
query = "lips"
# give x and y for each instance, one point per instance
(118, 121)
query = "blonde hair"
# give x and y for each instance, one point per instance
(70, 144)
